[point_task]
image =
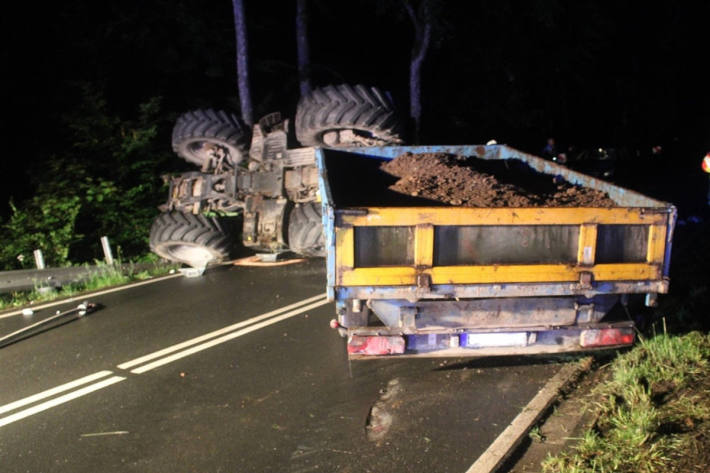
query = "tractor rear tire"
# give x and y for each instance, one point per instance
(347, 116)
(210, 136)
(305, 230)
(194, 240)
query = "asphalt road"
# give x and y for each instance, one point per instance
(131, 387)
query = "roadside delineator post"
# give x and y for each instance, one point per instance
(39, 259)
(108, 255)
(39, 262)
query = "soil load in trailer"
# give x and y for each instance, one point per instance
(484, 250)
(474, 182)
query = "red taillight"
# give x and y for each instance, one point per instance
(606, 337)
(375, 345)
(706, 163)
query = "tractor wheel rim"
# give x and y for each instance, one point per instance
(192, 254)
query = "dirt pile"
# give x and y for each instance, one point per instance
(474, 182)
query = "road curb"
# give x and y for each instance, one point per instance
(511, 437)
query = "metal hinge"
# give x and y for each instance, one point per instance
(586, 279)
(423, 281)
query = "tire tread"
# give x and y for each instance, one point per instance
(344, 106)
(172, 228)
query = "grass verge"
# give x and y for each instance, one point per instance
(108, 276)
(653, 414)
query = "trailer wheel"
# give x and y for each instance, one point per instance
(194, 240)
(209, 136)
(305, 230)
(346, 116)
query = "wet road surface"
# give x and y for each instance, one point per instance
(209, 375)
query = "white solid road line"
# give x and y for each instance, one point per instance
(225, 338)
(53, 391)
(105, 434)
(207, 336)
(60, 400)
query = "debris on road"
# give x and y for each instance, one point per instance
(257, 261)
(43, 325)
(380, 418)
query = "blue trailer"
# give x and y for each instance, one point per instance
(424, 281)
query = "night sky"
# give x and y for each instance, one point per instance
(622, 74)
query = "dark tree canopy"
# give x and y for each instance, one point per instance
(585, 72)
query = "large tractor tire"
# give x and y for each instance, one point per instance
(305, 230)
(194, 240)
(209, 136)
(345, 116)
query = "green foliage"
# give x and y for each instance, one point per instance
(106, 183)
(46, 224)
(536, 434)
(664, 358)
(652, 390)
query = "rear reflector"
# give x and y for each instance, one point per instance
(483, 340)
(606, 337)
(375, 345)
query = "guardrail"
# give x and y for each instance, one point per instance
(28, 279)
(53, 278)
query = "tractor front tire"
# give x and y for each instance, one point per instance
(209, 136)
(194, 240)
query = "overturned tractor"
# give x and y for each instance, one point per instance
(272, 188)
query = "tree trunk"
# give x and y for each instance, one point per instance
(304, 79)
(422, 37)
(242, 62)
